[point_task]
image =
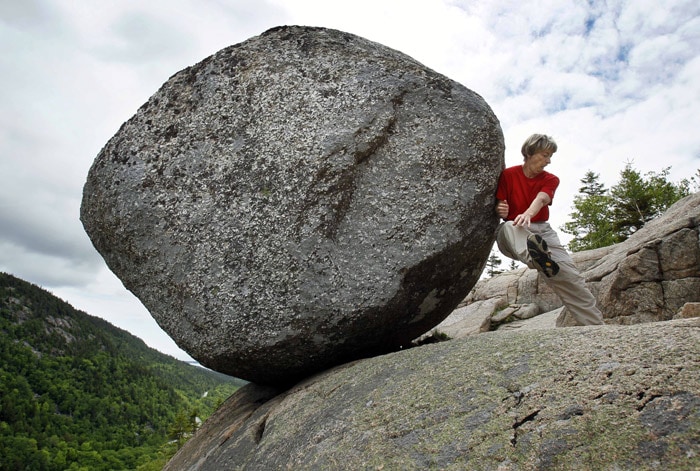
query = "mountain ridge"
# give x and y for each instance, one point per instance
(78, 391)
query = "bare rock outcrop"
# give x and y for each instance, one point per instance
(589, 398)
(652, 276)
(298, 200)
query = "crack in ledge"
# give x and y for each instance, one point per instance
(518, 423)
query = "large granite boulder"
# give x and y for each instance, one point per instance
(589, 398)
(652, 276)
(297, 200)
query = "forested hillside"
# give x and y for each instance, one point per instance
(78, 393)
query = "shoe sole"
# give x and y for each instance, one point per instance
(537, 248)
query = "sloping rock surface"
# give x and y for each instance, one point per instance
(298, 200)
(589, 398)
(650, 277)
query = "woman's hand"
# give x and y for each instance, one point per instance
(541, 200)
(502, 209)
(522, 220)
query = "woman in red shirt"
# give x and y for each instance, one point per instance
(523, 197)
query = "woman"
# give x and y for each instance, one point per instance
(524, 195)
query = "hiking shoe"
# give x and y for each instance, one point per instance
(537, 248)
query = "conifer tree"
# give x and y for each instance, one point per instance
(636, 200)
(604, 217)
(591, 221)
(492, 265)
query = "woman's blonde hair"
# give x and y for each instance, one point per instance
(537, 143)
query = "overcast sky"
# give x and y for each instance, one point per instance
(611, 81)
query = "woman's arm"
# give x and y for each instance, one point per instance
(541, 200)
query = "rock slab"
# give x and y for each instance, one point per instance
(300, 199)
(589, 398)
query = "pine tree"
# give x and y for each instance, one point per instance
(591, 221)
(604, 217)
(637, 200)
(591, 185)
(492, 265)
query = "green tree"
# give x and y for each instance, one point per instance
(183, 428)
(492, 265)
(591, 185)
(637, 200)
(79, 393)
(591, 222)
(604, 217)
(695, 181)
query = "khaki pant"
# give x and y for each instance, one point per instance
(568, 283)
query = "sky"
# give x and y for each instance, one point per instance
(612, 81)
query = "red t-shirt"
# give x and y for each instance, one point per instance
(520, 191)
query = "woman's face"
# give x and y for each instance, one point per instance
(537, 162)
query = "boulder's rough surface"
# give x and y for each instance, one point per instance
(589, 398)
(652, 276)
(297, 200)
